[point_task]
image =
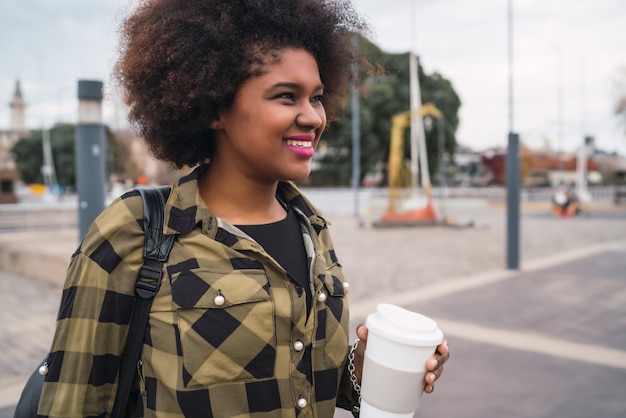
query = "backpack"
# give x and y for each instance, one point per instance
(157, 247)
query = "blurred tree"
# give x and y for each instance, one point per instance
(28, 152)
(385, 91)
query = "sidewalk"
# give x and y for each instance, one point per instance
(549, 341)
(522, 341)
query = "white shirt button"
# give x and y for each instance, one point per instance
(43, 370)
(298, 345)
(321, 297)
(219, 300)
(302, 402)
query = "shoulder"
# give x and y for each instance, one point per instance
(118, 229)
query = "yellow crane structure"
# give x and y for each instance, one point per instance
(397, 171)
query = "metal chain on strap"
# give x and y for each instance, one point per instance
(353, 379)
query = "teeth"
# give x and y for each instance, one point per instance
(299, 144)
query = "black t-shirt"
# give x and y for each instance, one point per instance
(283, 241)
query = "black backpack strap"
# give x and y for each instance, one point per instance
(157, 247)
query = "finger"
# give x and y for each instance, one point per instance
(428, 388)
(444, 357)
(440, 357)
(361, 332)
(431, 377)
(433, 362)
(443, 347)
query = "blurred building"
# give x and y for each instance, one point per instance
(539, 167)
(611, 166)
(141, 167)
(8, 138)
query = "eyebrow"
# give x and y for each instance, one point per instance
(294, 85)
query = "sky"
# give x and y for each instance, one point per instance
(568, 62)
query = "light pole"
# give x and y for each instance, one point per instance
(419, 157)
(559, 106)
(356, 130)
(441, 134)
(90, 150)
(512, 167)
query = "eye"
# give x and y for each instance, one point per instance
(317, 99)
(287, 96)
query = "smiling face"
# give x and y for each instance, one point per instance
(275, 122)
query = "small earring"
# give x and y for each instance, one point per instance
(216, 124)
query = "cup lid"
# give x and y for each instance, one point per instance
(403, 326)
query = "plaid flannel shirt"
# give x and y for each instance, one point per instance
(228, 330)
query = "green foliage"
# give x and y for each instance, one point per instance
(28, 152)
(62, 144)
(385, 93)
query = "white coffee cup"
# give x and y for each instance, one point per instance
(399, 343)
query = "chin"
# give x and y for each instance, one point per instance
(298, 176)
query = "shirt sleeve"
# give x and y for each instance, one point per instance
(347, 397)
(94, 315)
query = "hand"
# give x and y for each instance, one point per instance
(434, 366)
(359, 354)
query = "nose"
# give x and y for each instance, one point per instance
(311, 116)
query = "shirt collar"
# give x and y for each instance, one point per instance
(185, 208)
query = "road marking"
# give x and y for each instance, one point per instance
(527, 341)
(458, 284)
(535, 342)
(572, 255)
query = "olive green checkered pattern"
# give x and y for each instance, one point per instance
(201, 357)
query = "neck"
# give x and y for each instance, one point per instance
(240, 201)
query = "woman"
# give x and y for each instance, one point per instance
(251, 319)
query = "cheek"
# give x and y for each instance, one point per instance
(322, 114)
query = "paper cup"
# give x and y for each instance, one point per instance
(398, 344)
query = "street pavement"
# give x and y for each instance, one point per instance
(545, 340)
